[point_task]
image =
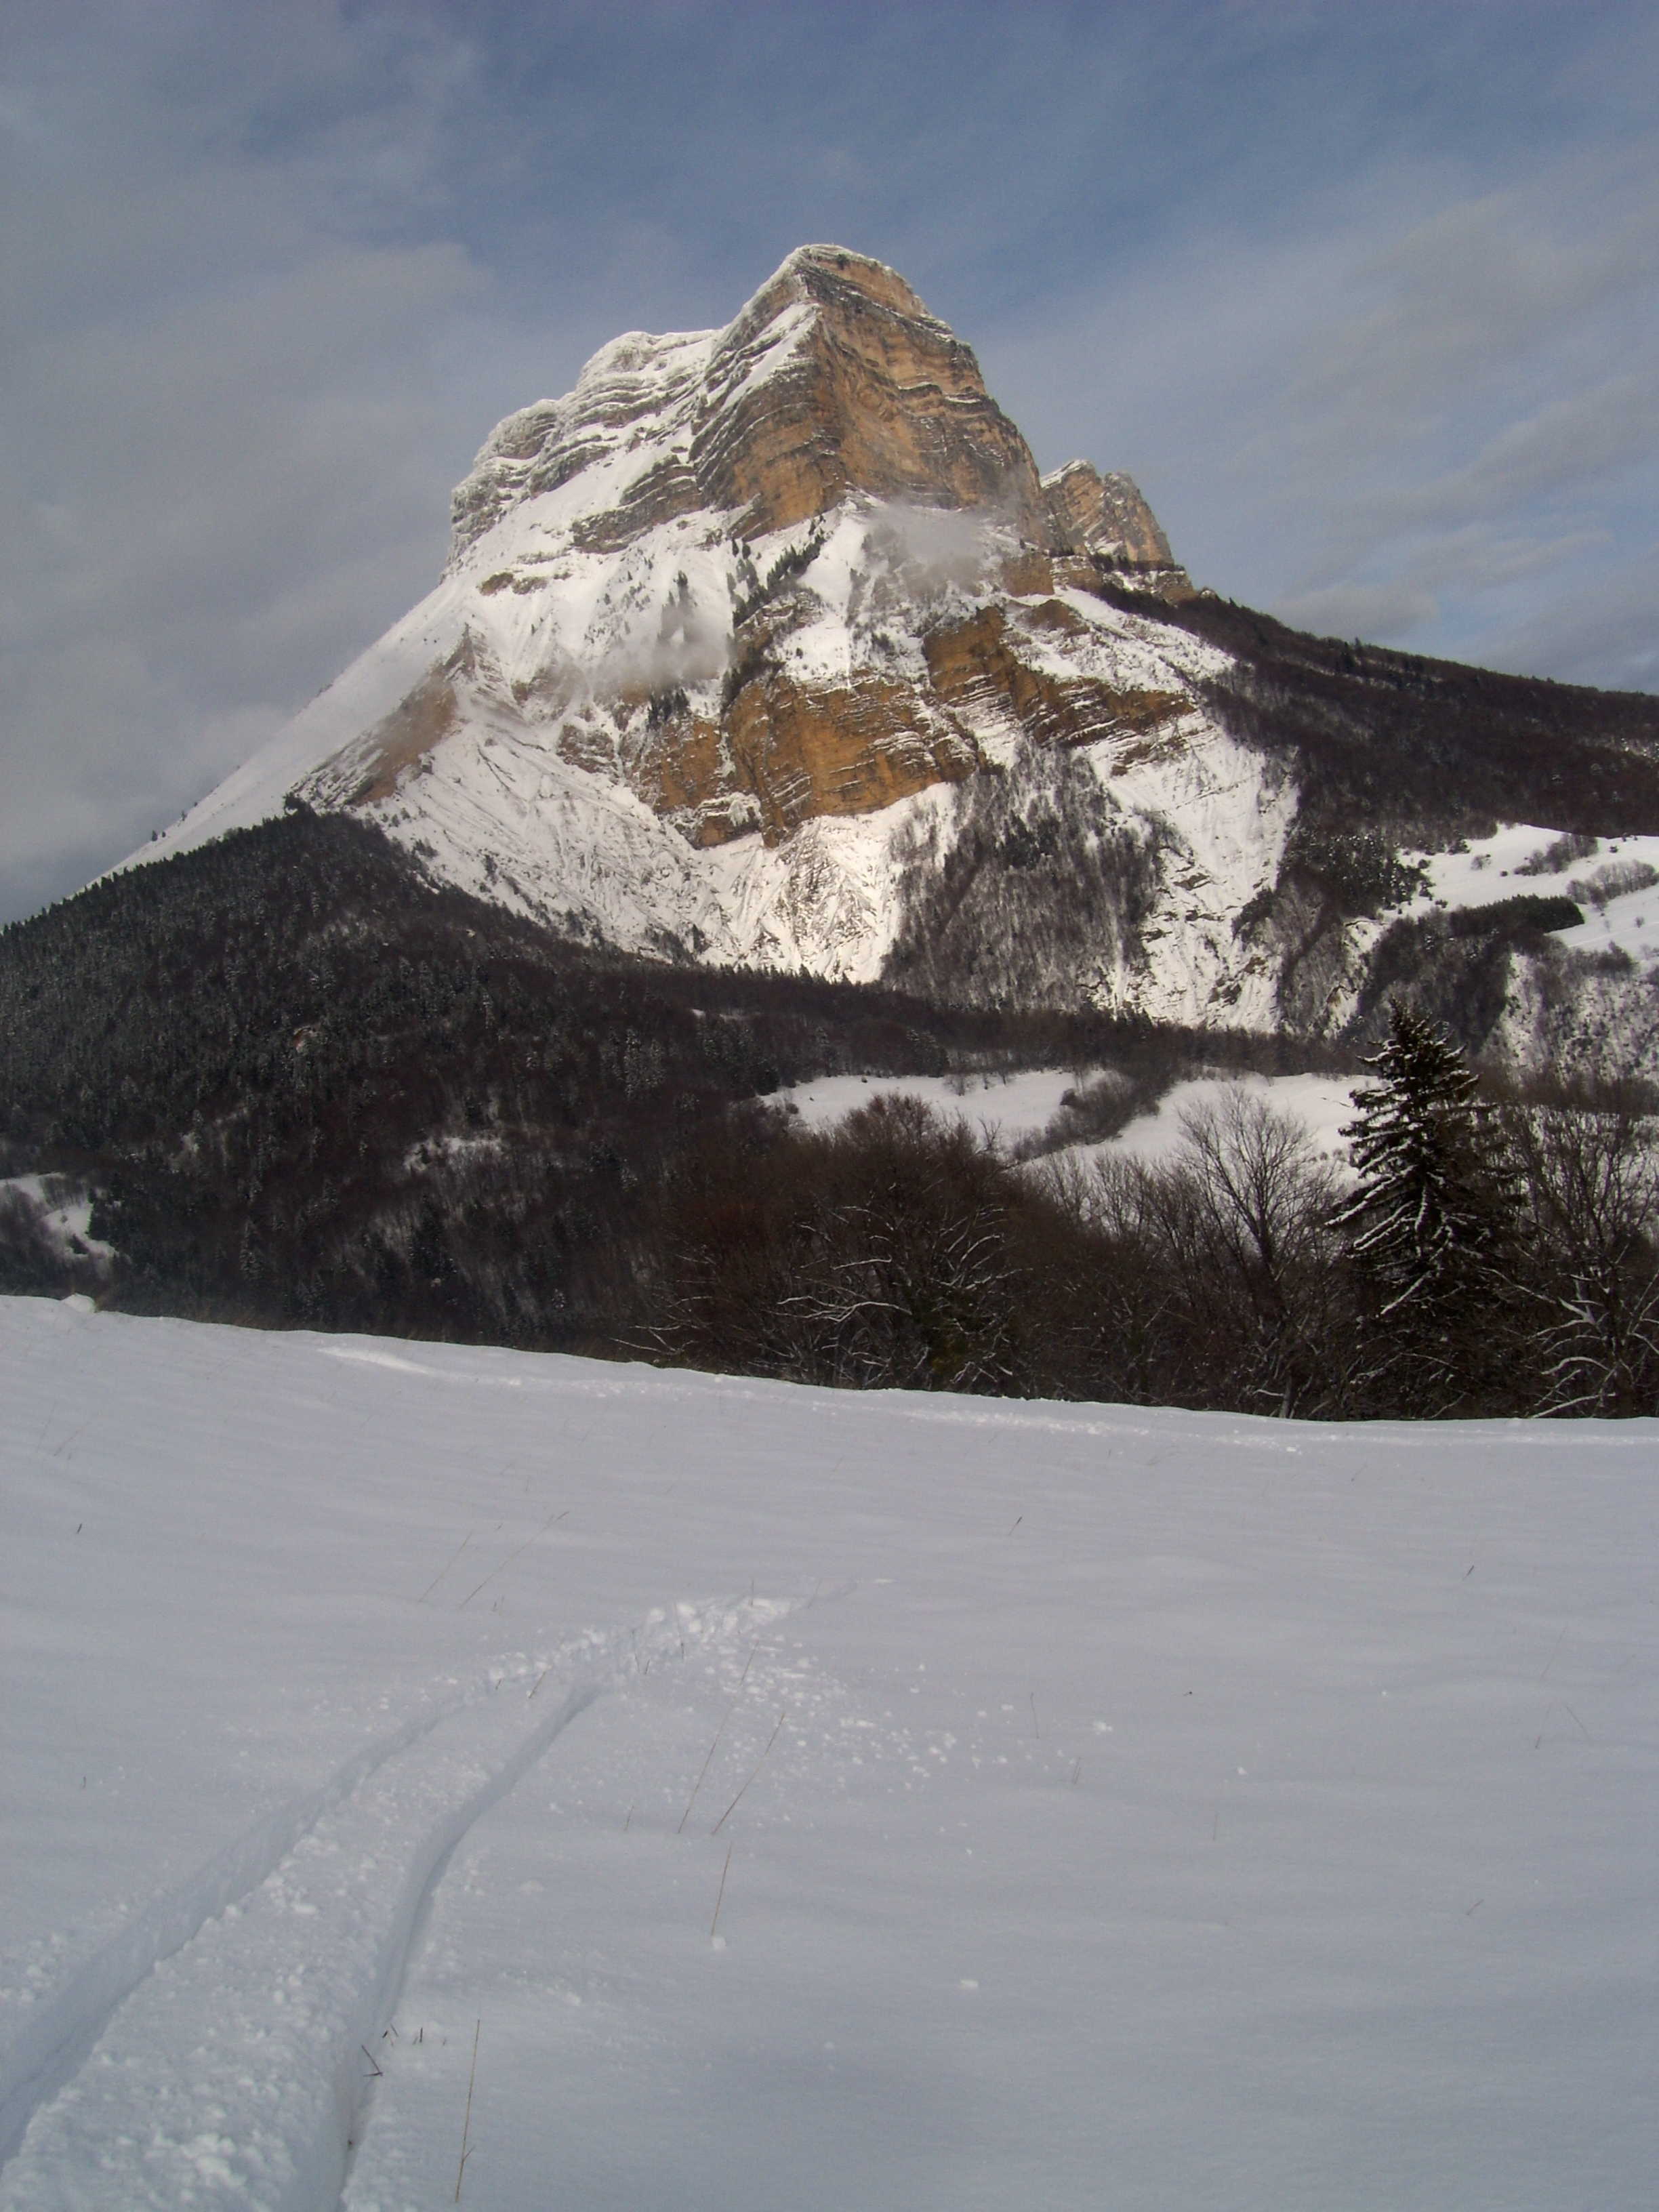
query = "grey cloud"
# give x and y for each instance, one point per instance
(1474, 558)
(1562, 447)
(1383, 414)
(222, 516)
(1374, 611)
(227, 456)
(1606, 634)
(1478, 285)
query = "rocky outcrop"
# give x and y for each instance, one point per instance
(867, 393)
(833, 379)
(975, 666)
(1107, 517)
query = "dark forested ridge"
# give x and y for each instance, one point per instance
(1425, 750)
(307, 1087)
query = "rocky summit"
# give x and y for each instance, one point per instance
(771, 645)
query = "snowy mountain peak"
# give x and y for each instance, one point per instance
(730, 634)
(834, 379)
(768, 644)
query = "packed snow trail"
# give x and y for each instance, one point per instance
(230, 2073)
(57, 2035)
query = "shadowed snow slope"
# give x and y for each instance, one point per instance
(1094, 1805)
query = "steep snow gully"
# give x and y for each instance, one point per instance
(319, 1907)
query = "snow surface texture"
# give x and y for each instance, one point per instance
(1096, 1806)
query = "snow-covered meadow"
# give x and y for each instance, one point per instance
(1487, 869)
(672, 1790)
(1021, 1106)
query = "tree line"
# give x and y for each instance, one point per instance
(1488, 1255)
(310, 1088)
(306, 1088)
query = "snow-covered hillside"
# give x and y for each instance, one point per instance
(668, 1790)
(506, 738)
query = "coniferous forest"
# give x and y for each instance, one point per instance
(304, 1088)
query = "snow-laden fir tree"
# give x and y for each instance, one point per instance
(1430, 1232)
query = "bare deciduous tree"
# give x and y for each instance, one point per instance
(1592, 1178)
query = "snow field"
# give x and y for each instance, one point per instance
(1010, 1108)
(66, 1218)
(1629, 922)
(1322, 1103)
(1486, 870)
(1007, 1108)
(1122, 1806)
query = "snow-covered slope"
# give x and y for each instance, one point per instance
(1013, 1109)
(655, 1789)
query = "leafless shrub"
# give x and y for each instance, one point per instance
(1612, 882)
(1094, 1109)
(1227, 1238)
(894, 1251)
(1559, 854)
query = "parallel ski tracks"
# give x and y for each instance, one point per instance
(210, 2055)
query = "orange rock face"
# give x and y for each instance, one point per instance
(1107, 517)
(975, 665)
(787, 751)
(834, 378)
(805, 750)
(880, 396)
(731, 701)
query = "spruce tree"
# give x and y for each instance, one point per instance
(1430, 1232)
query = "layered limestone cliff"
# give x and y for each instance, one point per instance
(833, 379)
(1105, 518)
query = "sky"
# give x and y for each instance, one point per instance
(1365, 297)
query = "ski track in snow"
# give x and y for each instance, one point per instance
(149, 2068)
